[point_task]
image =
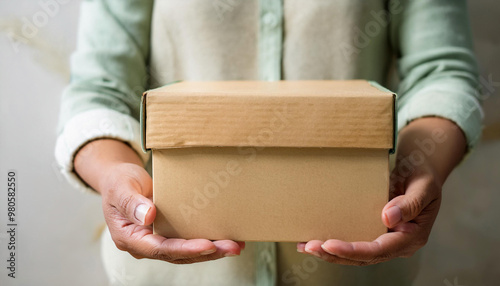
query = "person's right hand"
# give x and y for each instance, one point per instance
(126, 189)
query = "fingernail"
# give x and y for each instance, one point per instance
(315, 253)
(141, 211)
(393, 215)
(208, 251)
(300, 250)
(327, 250)
(229, 254)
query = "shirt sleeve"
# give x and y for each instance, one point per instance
(108, 76)
(436, 64)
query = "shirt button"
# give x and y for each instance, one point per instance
(270, 20)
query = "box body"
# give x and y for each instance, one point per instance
(271, 194)
(283, 161)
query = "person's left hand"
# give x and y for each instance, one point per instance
(414, 204)
(409, 217)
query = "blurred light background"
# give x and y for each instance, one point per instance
(59, 227)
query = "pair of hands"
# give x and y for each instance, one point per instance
(126, 189)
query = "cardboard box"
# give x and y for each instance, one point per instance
(270, 161)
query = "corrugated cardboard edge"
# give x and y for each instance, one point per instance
(143, 116)
(394, 111)
(143, 121)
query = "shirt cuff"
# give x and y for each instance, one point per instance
(88, 126)
(451, 99)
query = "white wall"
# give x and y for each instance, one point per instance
(58, 227)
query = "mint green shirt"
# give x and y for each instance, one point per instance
(424, 53)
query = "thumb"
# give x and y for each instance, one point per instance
(137, 208)
(404, 208)
(127, 197)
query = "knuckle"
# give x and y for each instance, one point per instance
(179, 262)
(375, 260)
(125, 201)
(365, 263)
(360, 263)
(160, 255)
(190, 260)
(415, 205)
(336, 260)
(382, 257)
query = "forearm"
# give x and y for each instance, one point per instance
(96, 158)
(432, 144)
(438, 69)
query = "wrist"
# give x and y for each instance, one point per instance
(98, 160)
(431, 146)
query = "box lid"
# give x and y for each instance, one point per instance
(344, 114)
